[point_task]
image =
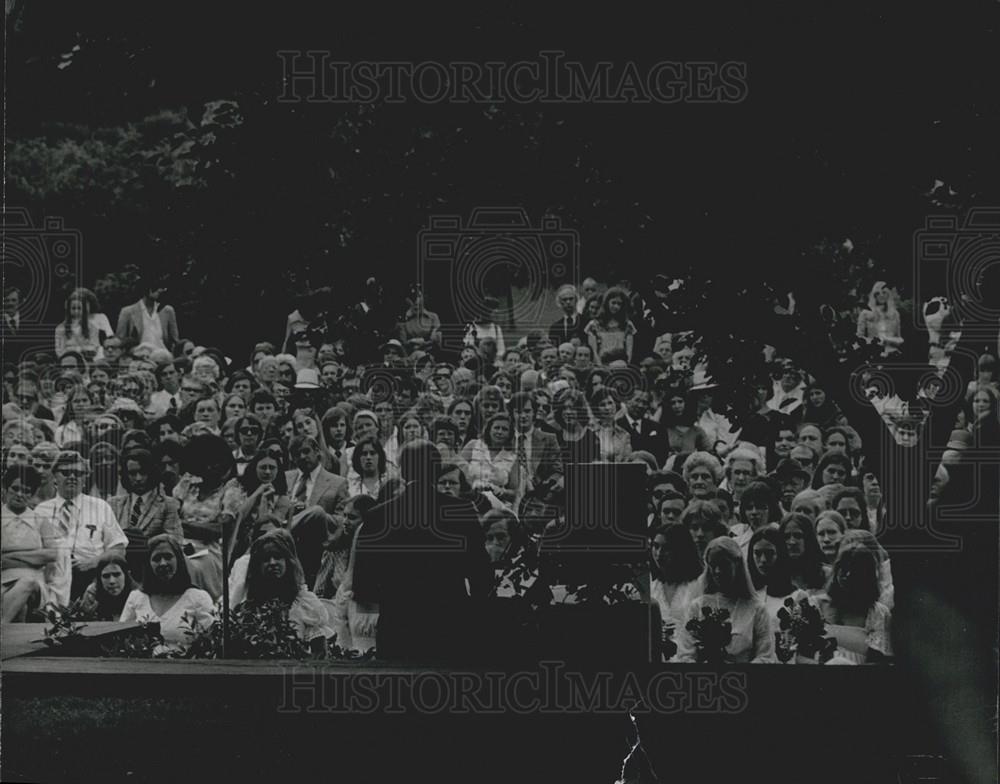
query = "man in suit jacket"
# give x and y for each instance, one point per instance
(317, 504)
(421, 558)
(646, 434)
(538, 455)
(147, 322)
(143, 511)
(569, 328)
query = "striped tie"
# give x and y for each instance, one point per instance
(66, 516)
(133, 519)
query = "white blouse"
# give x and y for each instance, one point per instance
(753, 639)
(194, 606)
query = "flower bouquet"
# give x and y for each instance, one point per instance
(712, 633)
(802, 634)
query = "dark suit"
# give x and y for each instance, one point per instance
(544, 459)
(421, 557)
(313, 526)
(647, 436)
(130, 324)
(160, 516)
(564, 330)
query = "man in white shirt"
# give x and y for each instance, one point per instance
(29, 543)
(85, 524)
(147, 322)
(169, 397)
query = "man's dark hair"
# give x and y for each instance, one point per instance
(262, 396)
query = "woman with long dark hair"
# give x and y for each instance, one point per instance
(265, 491)
(491, 459)
(274, 573)
(104, 599)
(167, 595)
(769, 569)
(611, 334)
(678, 417)
(84, 327)
(805, 559)
(675, 569)
(852, 610)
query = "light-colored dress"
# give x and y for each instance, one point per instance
(673, 601)
(753, 640)
(193, 609)
(487, 468)
(855, 640)
(91, 345)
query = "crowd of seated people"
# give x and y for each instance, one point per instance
(141, 470)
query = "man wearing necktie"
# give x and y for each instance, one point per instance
(147, 511)
(318, 499)
(569, 328)
(86, 525)
(166, 400)
(538, 457)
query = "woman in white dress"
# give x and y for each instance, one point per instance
(727, 586)
(675, 572)
(854, 615)
(84, 328)
(167, 596)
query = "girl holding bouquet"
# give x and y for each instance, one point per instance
(742, 631)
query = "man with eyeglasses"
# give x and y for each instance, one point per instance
(86, 526)
(249, 432)
(27, 397)
(191, 389)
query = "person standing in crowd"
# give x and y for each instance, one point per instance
(588, 290)
(146, 322)
(421, 558)
(85, 525)
(418, 322)
(485, 326)
(880, 321)
(84, 328)
(569, 327)
(611, 334)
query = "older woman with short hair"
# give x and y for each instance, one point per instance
(703, 472)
